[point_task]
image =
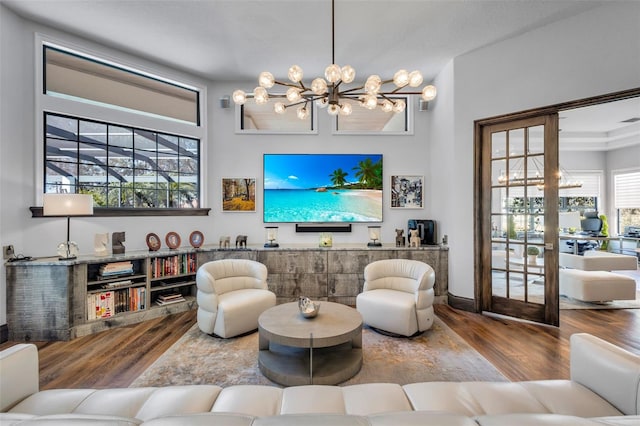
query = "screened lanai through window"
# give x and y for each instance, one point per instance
(121, 166)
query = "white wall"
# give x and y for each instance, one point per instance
(590, 54)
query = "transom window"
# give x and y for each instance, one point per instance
(121, 166)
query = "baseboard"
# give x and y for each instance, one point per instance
(461, 303)
(4, 333)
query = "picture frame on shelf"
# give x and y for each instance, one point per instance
(196, 239)
(407, 192)
(173, 240)
(153, 242)
(239, 194)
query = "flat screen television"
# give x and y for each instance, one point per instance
(322, 188)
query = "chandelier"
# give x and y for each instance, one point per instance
(518, 177)
(331, 92)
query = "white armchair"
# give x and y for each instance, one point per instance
(232, 293)
(397, 296)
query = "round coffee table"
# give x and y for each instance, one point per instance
(324, 350)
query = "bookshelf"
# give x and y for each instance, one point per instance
(172, 279)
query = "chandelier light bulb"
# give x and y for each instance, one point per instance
(322, 102)
(370, 101)
(302, 112)
(279, 108)
(319, 86)
(333, 109)
(239, 97)
(333, 73)
(348, 74)
(266, 80)
(295, 73)
(346, 109)
(415, 78)
(373, 83)
(429, 93)
(293, 94)
(399, 106)
(387, 105)
(401, 78)
(260, 95)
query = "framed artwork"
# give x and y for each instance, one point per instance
(407, 192)
(196, 239)
(238, 194)
(173, 240)
(153, 242)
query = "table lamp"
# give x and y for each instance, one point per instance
(67, 205)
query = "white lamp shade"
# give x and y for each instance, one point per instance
(67, 205)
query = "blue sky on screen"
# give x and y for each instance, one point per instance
(301, 171)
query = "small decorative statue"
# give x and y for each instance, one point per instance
(242, 240)
(414, 238)
(100, 242)
(308, 308)
(225, 241)
(117, 243)
(399, 237)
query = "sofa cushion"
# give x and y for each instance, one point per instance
(52, 401)
(472, 398)
(374, 398)
(78, 419)
(312, 420)
(203, 419)
(312, 399)
(533, 420)
(569, 398)
(420, 418)
(253, 400)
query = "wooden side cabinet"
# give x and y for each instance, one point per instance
(48, 299)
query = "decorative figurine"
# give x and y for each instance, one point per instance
(414, 238)
(225, 241)
(100, 242)
(399, 237)
(308, 308)
(242, 240)
(117, 240)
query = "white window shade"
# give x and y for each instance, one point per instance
(591, 184)
(627, 190)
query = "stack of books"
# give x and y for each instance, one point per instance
(167, 299)
(115, 269)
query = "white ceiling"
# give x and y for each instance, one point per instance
(234, 40)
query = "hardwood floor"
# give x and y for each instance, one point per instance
(520, 350)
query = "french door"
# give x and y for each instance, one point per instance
(516, 206)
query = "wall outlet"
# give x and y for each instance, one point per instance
(7, 252)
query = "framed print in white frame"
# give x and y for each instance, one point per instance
(407, 192)
(239, 194)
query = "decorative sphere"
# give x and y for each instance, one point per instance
(429, 93)
(279, 108)
(346, 109)
(295, 73)
(348, 74)
(401, 78)
(387, 105)
(319, 86)
(302, 112)
(373, 83)
(293, 94)
(239, 97)
(415, 78)
(370, 102)
(266, 80)
(399, 106)
(333, 73)
(333, 109)
(260, 95)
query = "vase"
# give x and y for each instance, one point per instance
(532, 259)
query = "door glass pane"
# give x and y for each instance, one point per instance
(517, 214)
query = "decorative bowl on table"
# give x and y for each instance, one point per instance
(308, 308)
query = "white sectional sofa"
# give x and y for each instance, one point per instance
(604, 389)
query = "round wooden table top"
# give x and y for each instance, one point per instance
(335, 324)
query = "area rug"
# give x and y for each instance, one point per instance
(438, 354)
